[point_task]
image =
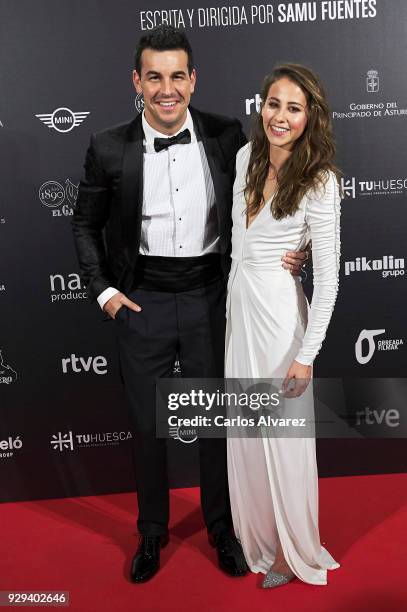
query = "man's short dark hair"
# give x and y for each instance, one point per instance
(163, 38)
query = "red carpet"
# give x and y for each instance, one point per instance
(84, 546)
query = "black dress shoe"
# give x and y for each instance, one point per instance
(146, 561)
(230, 554)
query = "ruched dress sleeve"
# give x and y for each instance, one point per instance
(322, 215)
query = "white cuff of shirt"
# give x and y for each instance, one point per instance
(106, 295)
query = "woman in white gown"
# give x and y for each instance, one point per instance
(285, 194)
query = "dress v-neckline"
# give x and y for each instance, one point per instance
(268, 202)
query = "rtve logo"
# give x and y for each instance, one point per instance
(253, 102)
(84, 364)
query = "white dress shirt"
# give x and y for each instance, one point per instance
(179, 217)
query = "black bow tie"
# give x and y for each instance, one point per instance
(163, 143)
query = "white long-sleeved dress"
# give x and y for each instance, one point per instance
(273, 480)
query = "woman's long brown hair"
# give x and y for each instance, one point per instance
(312, 156)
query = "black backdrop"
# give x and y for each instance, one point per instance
(64, 428)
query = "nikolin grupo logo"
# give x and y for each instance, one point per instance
(387, 266)
(62, 119)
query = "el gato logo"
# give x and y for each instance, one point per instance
(9, 445)
(61, 200)
(376, 109)
(75, 364)
(355, 188)
(187, 435)
(62, 119)
(388, 266)
(66, 288)
(367, 340)
(8, 374)
(69, 441)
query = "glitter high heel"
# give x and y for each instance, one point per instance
(273, 579)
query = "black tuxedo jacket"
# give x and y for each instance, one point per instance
(107, 219)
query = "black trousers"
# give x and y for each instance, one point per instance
(190, 324)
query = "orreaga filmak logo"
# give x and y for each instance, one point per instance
(7, 373)
(388, 266)
(69, 441)
(63, 119)
(368, 336)
(67, 288)
(52, 195)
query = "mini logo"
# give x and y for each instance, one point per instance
(372, 81)
(63, 119)
(62, 441)
(139, 103)
(7, 373)
(187, 435)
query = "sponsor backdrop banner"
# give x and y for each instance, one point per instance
(65, 72)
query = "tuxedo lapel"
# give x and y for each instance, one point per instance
(216, 162)
(132, 189)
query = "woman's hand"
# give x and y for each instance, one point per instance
(296, 380)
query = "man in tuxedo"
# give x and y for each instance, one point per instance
(152, 227)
